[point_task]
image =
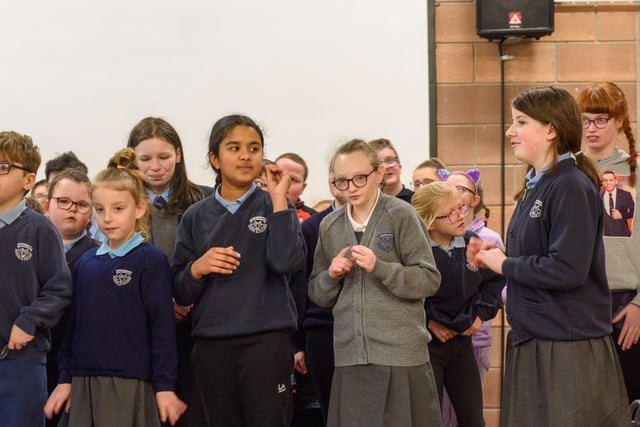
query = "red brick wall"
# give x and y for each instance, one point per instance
(591, 41)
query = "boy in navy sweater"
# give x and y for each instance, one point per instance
(36, 286)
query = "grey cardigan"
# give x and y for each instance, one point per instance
(379, 316)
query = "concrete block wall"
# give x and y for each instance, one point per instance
(595, 40)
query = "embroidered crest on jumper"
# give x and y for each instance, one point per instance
(385, 242)
(536, 209)
(24, 252)
(122, 277)
(258, 224)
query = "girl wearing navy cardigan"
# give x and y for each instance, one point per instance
(467, 296)
(118, 363)
(234, 253)
(562, 368)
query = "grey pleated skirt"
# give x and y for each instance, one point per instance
(564, 384)
(111, 401)
(384, 396)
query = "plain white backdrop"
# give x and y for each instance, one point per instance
(78, 75)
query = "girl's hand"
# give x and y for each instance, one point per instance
(278, 183)
(59, 396)
(299, 362)
(363, 257)
(341, 265)
(18, 338)
(170, 407)
(474, 328)
(216, 260)
(181, 311)
(491, 258)
(630, 332)
(440, 331)
(476, 245)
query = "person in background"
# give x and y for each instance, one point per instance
(39, 192)
(560, 355)
(160, 157)
(373, 265)
(426, 172)
(125, 375)
(298, 172)
(36, 286)
(605, 118)
(235, 252)
(389, 158)
(314, 340)
(469, 185)
(467, 298)
(66, 160)
(68, 207)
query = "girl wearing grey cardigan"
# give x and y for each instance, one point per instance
(374, 265)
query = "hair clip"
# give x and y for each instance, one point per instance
(474, 174)
(443, 174)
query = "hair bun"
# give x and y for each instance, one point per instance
(123, 159)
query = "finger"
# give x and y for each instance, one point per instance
(344, 251)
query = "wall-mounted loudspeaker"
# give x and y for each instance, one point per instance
(497, 19)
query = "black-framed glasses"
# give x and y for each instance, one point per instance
(462, 189)
(456, 214)
(598, 122)
(418, 184)
(358, 181)
(5, 168)
(66, 204)
(390, 161)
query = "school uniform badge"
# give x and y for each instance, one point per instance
(122, 277)
(385, 242)
(536, 209)
(258, 224)
(23, 251)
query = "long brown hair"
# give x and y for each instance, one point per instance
(555, 106)
(607, 98)
(183, 192)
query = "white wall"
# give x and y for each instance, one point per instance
(78, 75)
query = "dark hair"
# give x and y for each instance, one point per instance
(42, 182)
(221, 129)
(607, 98)
(122, 174)
(555, 106)
(183, 192)
(296, 159)
(67, 160)
(75, 175)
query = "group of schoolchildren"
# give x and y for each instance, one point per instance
(142, 299)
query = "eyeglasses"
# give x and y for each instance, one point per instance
(390, 161)
(358, 181)
(456, 214)
(5, 168)
(462, 189)
(260, 184)
(40, 197)
(598, 122)
(66, 204)
(418, 184)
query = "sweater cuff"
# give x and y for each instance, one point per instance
(26, 324)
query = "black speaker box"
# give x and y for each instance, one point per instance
(497, 19)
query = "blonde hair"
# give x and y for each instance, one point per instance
(427, 199)
(122, 174)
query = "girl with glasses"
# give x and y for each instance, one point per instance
(597, 102)
(561, 367)
(467, 296)
(373, 265)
